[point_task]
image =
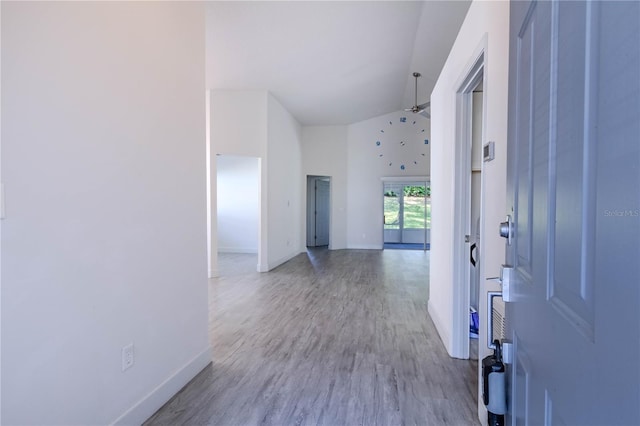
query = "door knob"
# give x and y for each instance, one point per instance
(506, 229)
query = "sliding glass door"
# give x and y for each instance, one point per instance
(393, 212)
(407, 212)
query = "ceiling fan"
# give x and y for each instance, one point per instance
(417, 109)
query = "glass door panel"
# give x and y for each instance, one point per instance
(414, 217)
(407, 212)
(392, 213)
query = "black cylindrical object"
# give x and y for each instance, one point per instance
(494, 387)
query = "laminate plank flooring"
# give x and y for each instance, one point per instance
(329, 338)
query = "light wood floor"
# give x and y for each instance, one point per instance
(329, 338)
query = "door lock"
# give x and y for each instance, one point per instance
(506, 229)
(505, 280)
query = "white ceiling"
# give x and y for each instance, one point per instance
(331, 62)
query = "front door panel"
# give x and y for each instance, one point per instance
(574, 192)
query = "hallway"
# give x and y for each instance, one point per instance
(331, 337)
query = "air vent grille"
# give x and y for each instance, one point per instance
(498, 317)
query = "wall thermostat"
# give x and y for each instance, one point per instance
(488, 151)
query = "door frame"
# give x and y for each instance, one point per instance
(462, 203)
(311, 205)
(404, 179)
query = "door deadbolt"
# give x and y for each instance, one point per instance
(506, 229)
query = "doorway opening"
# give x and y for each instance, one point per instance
(475, 213)
(238, 213)
(468, 209)
(407, 215)
(318, 211)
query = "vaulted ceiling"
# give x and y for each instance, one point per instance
(331, 62)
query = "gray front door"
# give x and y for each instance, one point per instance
(574, 192)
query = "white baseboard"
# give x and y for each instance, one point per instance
(241, 250)
(148, 405)
(441, 328)
(365, 247)
(280, 261)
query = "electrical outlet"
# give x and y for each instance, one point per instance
(127, 357)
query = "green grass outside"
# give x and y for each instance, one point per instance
(413, 213)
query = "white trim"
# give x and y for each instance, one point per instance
(365, 247)
(212, 214)
(275, 264)
(242, 250)
(148, 405)
(471, 76)
(3, 214)
(440, 326)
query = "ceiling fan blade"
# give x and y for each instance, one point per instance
(424, 105)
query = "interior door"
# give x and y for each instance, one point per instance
(573, 186)
(322, 212)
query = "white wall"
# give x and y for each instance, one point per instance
(238, 201)
(104, 238)
(486, 24)
(238, 126)
(285, 185)
(239, 122)
(324, 153)
(253, 123)
(401, 143)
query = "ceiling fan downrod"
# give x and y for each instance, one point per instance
(416, 109)
(415, 104)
